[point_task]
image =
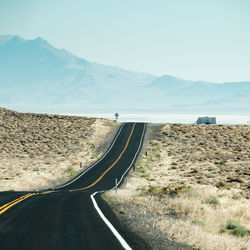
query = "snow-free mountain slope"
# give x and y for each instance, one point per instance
(37, 77)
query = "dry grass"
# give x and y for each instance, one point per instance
(180, 184)
(40, 151)
(210, 154)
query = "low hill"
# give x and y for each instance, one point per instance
(40, 150)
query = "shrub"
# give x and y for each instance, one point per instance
(151, 190)
(194, 171)
(222, 231)
(145, 175)
(169, 133)
(174, 190)
(158, 155)
(232, 224)
(212, 201)
(122, 211)
(235, 228)
(191, 193)
(142, 190)
(221, 185)
(71, 172)
(140, 170)
(198, 223)
(96, 155)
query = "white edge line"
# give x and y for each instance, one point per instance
(84, 172)
(111, 227)
(130, 163)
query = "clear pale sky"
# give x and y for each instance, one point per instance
(191, 39)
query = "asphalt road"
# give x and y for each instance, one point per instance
(65, 218)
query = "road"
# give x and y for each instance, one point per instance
(67, 217)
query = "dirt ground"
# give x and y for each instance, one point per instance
(191, 184)
(38, 151)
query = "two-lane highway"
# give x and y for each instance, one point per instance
(69, 217)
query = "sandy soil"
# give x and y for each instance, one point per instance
(191, 183)
(39, 151)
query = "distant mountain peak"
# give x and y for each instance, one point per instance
(10, 38)
(18, 39)
(35, 75)
(40, 40)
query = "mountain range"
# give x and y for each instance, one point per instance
(37, 77)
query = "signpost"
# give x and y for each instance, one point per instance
(116, 116)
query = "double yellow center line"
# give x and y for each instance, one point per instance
(107, 170)
(6, 206)
(24, 197)
(14, 202)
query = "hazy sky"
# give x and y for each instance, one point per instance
(192, 39)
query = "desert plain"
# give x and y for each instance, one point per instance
(190, 184)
